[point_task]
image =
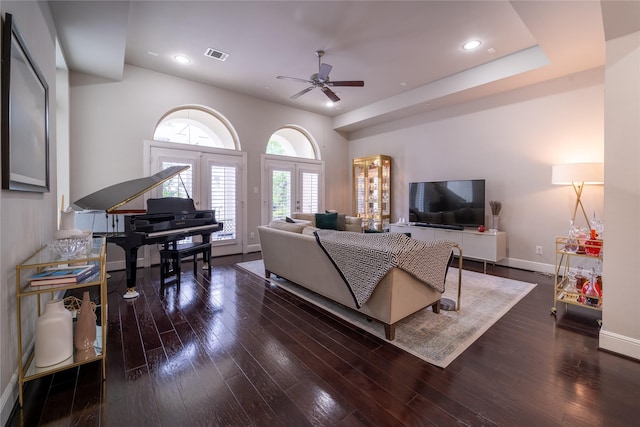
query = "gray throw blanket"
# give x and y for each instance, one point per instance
(363, 259)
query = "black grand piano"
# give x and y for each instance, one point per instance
(166, 221)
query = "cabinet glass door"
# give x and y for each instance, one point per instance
(372, 191)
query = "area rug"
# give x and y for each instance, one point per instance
(436, 338)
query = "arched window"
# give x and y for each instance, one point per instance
(295, 182)
(293, 142)
(195, 125)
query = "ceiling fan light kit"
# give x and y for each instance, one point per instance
(321, 80)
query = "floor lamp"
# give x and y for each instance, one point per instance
(578, 175)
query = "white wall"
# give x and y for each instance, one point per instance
(511, 140)
(111, 119)
(62, 152)
(621, 317)
(27, 220)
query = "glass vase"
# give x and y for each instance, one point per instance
(495, 223)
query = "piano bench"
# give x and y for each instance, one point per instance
(171, 258)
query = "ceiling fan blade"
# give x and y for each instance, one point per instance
(323, 74)
(358, 83)
(295, 79)
(332, 96)
(302, 92)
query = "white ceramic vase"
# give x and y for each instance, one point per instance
(54, 335)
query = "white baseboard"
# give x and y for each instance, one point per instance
(116, 265)
(253, 248)
(528, 265)
(619, 344)
(8, 399)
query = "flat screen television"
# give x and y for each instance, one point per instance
(460, 203)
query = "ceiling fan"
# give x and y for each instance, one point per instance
(321, 80)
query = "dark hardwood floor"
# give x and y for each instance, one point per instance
(235, 351)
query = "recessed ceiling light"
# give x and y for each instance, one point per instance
(471, 44)
(182, 59)
(329, 104)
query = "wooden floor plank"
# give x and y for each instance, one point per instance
(234, 350)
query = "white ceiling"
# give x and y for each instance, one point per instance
(407, 52)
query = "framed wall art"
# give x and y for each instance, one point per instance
(25, 116)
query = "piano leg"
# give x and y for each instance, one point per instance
(206, 256)
(131, 262)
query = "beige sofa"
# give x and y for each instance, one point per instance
(290, 250)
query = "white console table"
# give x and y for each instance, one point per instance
(486, 247)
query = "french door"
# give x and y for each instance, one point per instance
(214, 181)
(291, 186)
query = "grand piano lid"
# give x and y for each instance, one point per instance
(111, 198)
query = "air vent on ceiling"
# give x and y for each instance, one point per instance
(216, 54)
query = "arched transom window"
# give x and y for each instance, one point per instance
(293, 142)
(196, 126)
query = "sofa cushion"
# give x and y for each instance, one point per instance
(352, 223)
(294, 227)
(327, 221)
(342, 220)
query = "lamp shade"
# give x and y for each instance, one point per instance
(583, 173)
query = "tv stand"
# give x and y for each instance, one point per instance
(443, 226)
(486, 247)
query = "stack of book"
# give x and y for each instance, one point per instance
(63, 275)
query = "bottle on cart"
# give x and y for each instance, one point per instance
(593, 245)
(592, 293)
(580, 279)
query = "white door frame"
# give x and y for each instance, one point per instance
(242, 196)
(296, 165)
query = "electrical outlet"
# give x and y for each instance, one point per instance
(252, 235)
(538, 250)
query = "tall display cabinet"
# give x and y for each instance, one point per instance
(372, 191)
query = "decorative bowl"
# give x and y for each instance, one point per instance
(69, 247)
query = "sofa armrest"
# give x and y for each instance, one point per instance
(305, 217)
(354, 224)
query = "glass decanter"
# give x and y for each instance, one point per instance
(571, 244)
